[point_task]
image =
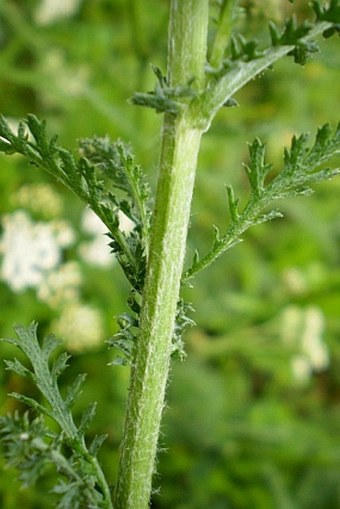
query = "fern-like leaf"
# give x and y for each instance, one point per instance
(27, 446)
(38, 447)
(115, 164)
(107, 179)
(299, 172)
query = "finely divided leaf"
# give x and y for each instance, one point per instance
(117, 172)
(18, 368)
(74, 390)
(87, 417)
(96, 444)
(31, 450)
(299, 172)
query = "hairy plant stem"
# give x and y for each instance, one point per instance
(149, 374)
(223, 33)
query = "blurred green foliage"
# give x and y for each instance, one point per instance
(253, 415)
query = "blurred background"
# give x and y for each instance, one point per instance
(253, 415)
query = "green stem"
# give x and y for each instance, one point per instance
(180, 146)
(223, 33)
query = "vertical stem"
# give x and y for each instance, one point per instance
(149, 374)
(223, 33)
(187, 42)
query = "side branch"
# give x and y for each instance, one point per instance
(236, 74)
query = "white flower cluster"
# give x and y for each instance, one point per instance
(295, 281)
(29, 250)
(80, 326)
(32, 257)
(303, 329)
(69, 81)
(49, 11)
(299, 281)
(97, 251)
(39, 198)
(61, 285)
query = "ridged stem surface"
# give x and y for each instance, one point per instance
(150, 369)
